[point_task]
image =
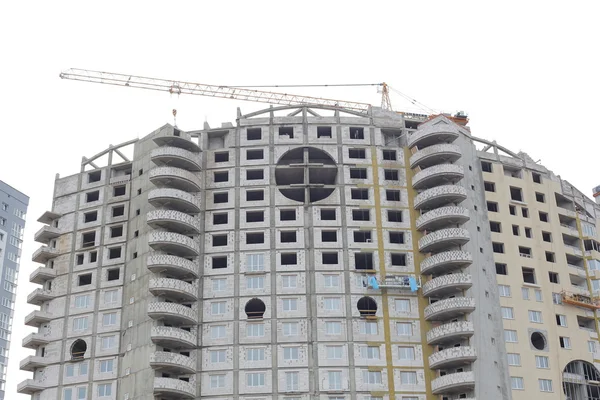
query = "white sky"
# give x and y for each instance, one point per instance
(527, 72)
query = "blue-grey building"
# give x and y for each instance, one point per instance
(13, 209)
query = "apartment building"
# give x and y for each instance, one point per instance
(13, 210)
(312, 253)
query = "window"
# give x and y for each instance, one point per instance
(104, 390)
(113, 274)
(516, 193)
(528, 274)
(289, 281)
(539, 197)
(512, 210)
(106, 366)
(332, 303)
(113, 253)
(359, 194)
(220, 218)
(362, 236)
(255, 238)
(109, 319)
(254, 379)
(291, 381)
(372, 377)
(535, 316)
(504, 290)
(556, 298)
(358, 173)
(219, 284)
(406, 353)
(402, 305)
(495, 226)
(335, 380)
(4, 206)
(255, 330)
(256, 154)
(287, 215)
(217, 356)
(221, 156)
(537, 178)
(255, 262)
(592, 346)
(218, 331)
(219, 262)
(88, 239)
(508, 313)
(290, 328)
(545, 385)
(389, 155)
(547, 237)
(525, 293)
(290, 353)
(510, 336)
(498, 247)
(116, 231)
(333, 328)
(404, 328)
(217, 381)
(253, 134)
(221, 176)
(219, 240)
(334, 352)
(396, 237)
(255, 282)
(329, 236)
(514, 359)
(392, 195)
(363, 261)
(357, 153)
(486, 166)
(90, 216)
(492, 206)
(541, 362)
(288, 236)
(118, 211)
(255, 354)
(79, 259)
(92, 196)
(85, 279)
(408, 378)
(109, 342)
(390, 174)
(501, 269)
(489, 186)
(553, 277)
(550, 257)
(324, 131)
(368, 327)
(561, 320)
(290, 304)
(361, 215)
(255, 216)
(538, 295)
(525, 212)
(286, 131)
(516, 383)
(328, 214)
(221, 197)
(331, 281)
(543, 216)
(82, 301)
(218, 308)
(394, 216)
(357, 133)
(255, 174)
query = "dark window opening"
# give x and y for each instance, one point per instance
(116, 231)
(358, 173)
(389, 155)
(537, 178)
(495, 226)
(94, 176)
(538, 341)
(394, 216)
(501, 269)
(327, 214)
(525, 212)
(329, 258)
(550, 257)
(222, 197)
(363, 261)
(113, 274)
(114, 252)
(78, 350)
(255, 195)
(528, 275)
(288, 237)
(324, 131)
(391, 174)
(222, 176)
(392, 195)
(489, 186)
(219, 240)
(515, 230)
(524, 251)
(289, 259)
(253, 133)
(366, 306)
(357, 153)
(553, 277)
(118, 211)
(546, 236)
(361, 215)
(398, 259)
(88, 239)
(222, 156)
(397, 237)
(287, 215)
(255, 238)
(516, 193)
(492, 207)
(359, 194)
(219, 262)
(93, 256)
(254, 174)
(329, 236)
(543, 216)
(528, 232)
(286, 131)
(255, 216)
(486, 166)
(256, 154)
(357, 133)
(79, 259)
(540, 197)
(92, 196)
(255, 309)
(362, 236)
(119, 190)
(498, 247)
(85, 279)
(220, 219)
(512, 210)
(90, 216)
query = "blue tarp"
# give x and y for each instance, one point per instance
(373, 282)
(413, 284)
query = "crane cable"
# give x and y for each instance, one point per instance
(295, 86)
(420, 105)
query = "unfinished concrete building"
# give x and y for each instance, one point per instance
(316, 253)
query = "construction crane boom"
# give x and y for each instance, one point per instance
(226, 92)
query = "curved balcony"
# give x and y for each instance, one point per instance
(450, 332)
(452, 357)
(172, 337)
(171, 388)
(173, 288)
(32, 362)
(446, 261)
(30, 386)
(174, 199)
(174, 243)
(41, 275)
(174, 137)
(173, 313)
(438, 175)
(437, 154)
(38, 296)
(176, 157)
(34, 340)
(439, 196)
(443, 216)
(431, 135)
(449, 308)
(175, 177)
(452, 383)
(48, 217)
(44, 254)
(443, 238)
(172, 265)
(445, 284)
(173, 221)
(37, 317)
(46, 234)
(173, 361)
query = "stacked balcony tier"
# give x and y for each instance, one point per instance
(174, 243)
(441, 217)
(449, 308)
(44, 254)
(436, 154)
(452, 357)
(172, 265)
(41, 275)
(171, 337)
(45, 234)
(37, 317)
(443, 238)
(172, 313)
(171, 388)
(182, 140)
(445, 284)
(432, 135)
(439, 196)
(445, 261)
(174, 289)
(30, 386)
(33, 340)
(175, 178)
(450, 332)
(174, 199)
(173, 362)
(437, 175)
(453, 383)
(173, 221)
(176, 157)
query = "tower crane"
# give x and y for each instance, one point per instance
(248, 93)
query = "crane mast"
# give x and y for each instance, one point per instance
(200, 89)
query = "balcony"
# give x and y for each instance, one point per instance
(172, 313)
(174, 243)
(452, 357)
(437, 154)
(173, 362)
(172, 265)
(30, 386)
(38, 296)
(37, 317)
(574, 251)
(173, 221)
(453, 383)
(41, 275)
(34, 340)
(43, 254)
(443, 238)
(449, 308)
(171, 388)
(450, 332)
(576, 270)
(32, 362)
(176, 178)
(437, 175)
(445, 284)
(446, 261)
(175, 338)
(441, 217)
(433, 134)
(174, 289)
(176, 157)
(48, 217)
(46, 234)
(570, 230)
(439, 196)
(174, 199)
(170, 136)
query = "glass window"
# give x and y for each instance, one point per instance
(331, 281)
(82, 301)
(516, 382)
(109, 342)
(289, 281)
(81, 393)
(370, 352)
(334, 352)
(255, 282)
(217, 356)
(218, 331)
(504, 290)
(254, 379)
(106, 366)
(291, 380)
(545, 385)
(408, 378)
(255, 354)
(290, 353)
(514, 359)
(541, 362)
(255, 330)
(535, 316)
(80, 323)
(68, 394)
(525, 293)
(218, 308)
(335, 380)
(333, 327)
(406, 353)
(109, 319)
(404, 328)
(372, 377)
(217, 381)
(510, 336)
(104, 390)
(592, 346)
(402, 305)
(219, 284)
(368, 327)
(256, 262)
(508, 313)
(111, 296)
(290, 328)
(290, 304)
(70, 370)
(333, 303)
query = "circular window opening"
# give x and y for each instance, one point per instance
(255, 309)
(306, 174)
(538, 340)
(78, 349)
(366, 306)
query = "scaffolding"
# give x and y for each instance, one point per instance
(579, 300)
